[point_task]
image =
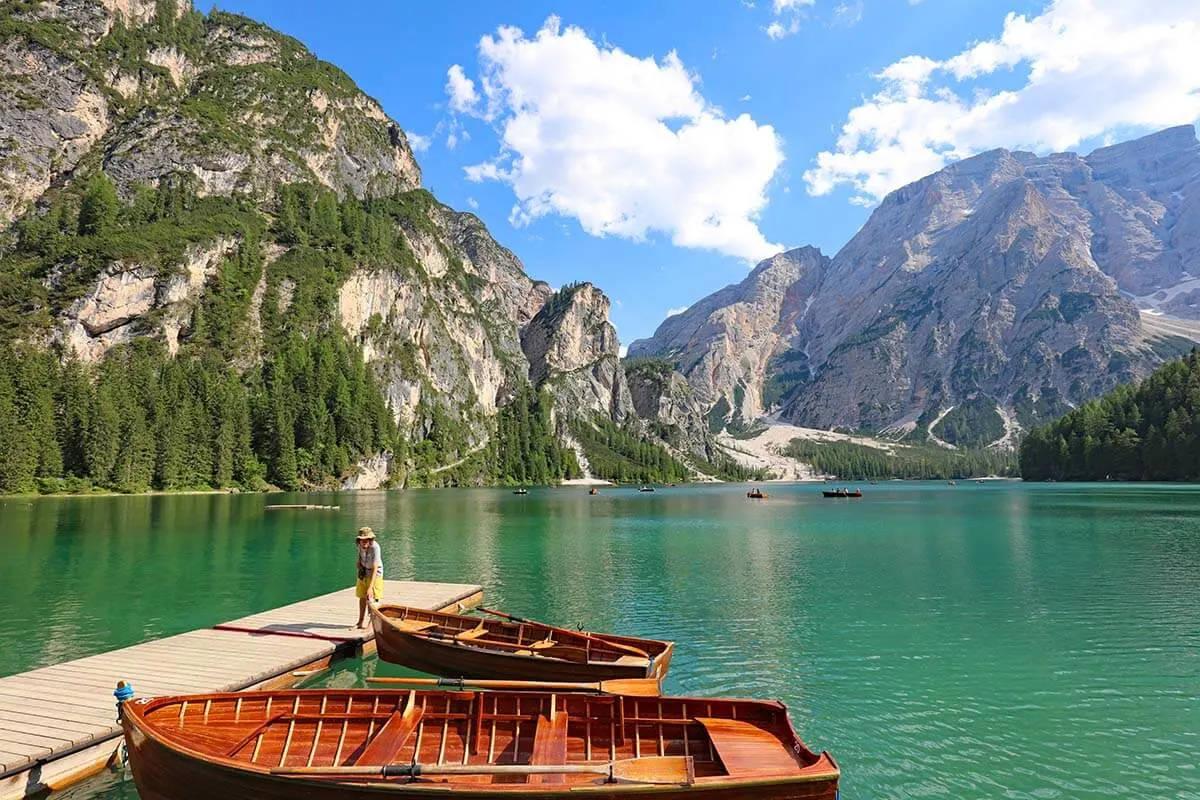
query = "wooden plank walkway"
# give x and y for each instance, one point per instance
(52, 712)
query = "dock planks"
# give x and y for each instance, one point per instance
(52, 712)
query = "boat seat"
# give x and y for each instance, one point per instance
(415, 625)
(543, 644)
(474, 633)
(632, 661)
(746, 749)
(391, 738)
(550, 746)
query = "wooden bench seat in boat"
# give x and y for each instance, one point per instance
(391, 738)
(746, 749)
(633, 660)
(550, 746)
(415, 625)
(473, 633)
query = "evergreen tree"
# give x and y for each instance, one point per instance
(99, 207)
(103, 435)
(1146, 431)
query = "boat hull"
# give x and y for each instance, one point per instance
(177, 752)
(161, 773)
(448, 656)
(454, 661)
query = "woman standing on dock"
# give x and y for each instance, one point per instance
(370, 572)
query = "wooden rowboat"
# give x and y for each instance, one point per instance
(842, 493)
(456, 646)
(341, 744)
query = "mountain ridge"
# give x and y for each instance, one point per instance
(1005, 275)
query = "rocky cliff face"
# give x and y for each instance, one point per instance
(730, 342)
(149, 89)
(255, 193)
(665, 399)
(1004, 279)
(573, 352)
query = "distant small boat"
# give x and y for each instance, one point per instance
(757, 494)
(520, 491)
(842, 493)
(646, 489)
(302, 507)
(951, 483)
(593, 490)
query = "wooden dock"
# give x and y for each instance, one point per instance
(58, 724)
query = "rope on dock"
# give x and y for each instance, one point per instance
(297, 634)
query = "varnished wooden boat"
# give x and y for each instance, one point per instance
(757, 494)
(842, 493)
(340, 744)
(456, 646)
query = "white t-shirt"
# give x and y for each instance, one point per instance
(371, 554)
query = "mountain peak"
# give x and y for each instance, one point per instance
(1177, 139)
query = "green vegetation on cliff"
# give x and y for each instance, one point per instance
(974, 423)
(850, 461)
(525, 449)
(1144, 431)
(623, 455)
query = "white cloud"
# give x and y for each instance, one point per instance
(460, 89)
(745, 98)
(417, 142)
(1086, 68)
(847, 14)
(625, 145)
(777, 30)
(673, 311)
(472, 202)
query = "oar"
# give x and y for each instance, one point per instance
(649, 769)
(636, 687)
(594, 638)
(574, 654)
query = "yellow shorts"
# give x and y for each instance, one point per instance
(375, 582)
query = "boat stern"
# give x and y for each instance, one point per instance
(661, 663)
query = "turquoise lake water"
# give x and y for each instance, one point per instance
(978, 641)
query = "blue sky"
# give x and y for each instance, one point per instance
(776, 123)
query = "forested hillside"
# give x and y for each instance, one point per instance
(218, 269)
(1146, 431)
(849, 461)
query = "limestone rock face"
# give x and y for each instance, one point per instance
(1006, 276)
(664, 398)
(726, 343)
(573, 350)
(230, 106)
(370, 473)
(51, 114)
(132, 300)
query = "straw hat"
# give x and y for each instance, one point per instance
(365, 533)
